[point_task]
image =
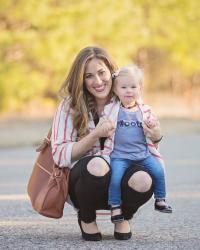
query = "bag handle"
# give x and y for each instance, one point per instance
(46, 141)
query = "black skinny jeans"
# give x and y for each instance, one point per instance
(90, 193)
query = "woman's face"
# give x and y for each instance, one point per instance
(98, 80)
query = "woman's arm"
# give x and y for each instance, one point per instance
(63, 135)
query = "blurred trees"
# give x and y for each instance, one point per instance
(39, 40)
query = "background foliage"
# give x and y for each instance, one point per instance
(39, 40)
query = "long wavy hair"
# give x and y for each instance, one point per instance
(73, 87)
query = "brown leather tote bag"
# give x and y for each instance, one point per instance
(48, 184)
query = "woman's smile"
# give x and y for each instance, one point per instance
(100, 88)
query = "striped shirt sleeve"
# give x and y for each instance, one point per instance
(63, 136)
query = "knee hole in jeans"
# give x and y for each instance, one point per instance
(140, 181)
(97, 167)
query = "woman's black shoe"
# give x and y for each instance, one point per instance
(122, 236)
(89, 237)
(162, 208)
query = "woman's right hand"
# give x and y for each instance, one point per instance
(104, 128)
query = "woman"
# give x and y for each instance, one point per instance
(78, 137)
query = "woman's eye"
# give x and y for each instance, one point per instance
(88, 76)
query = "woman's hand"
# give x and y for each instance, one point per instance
(154, 133)
(105, 128)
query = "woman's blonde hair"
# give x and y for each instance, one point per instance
(81, 101)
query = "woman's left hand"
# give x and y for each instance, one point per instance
(154, 133)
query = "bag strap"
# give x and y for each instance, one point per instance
(46, 141)
(49, 134)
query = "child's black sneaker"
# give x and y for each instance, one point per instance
(165, 208)
(118, 217)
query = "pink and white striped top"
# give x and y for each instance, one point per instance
(64, 135)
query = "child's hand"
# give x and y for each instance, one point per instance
(151, 122)
(154, 133)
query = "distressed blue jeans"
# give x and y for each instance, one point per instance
(119, 166)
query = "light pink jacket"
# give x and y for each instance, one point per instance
(111, 112)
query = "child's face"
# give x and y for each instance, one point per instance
(128, 89)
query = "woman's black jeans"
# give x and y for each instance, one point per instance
(90, 193)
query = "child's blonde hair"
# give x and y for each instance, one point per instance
(137, 72)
